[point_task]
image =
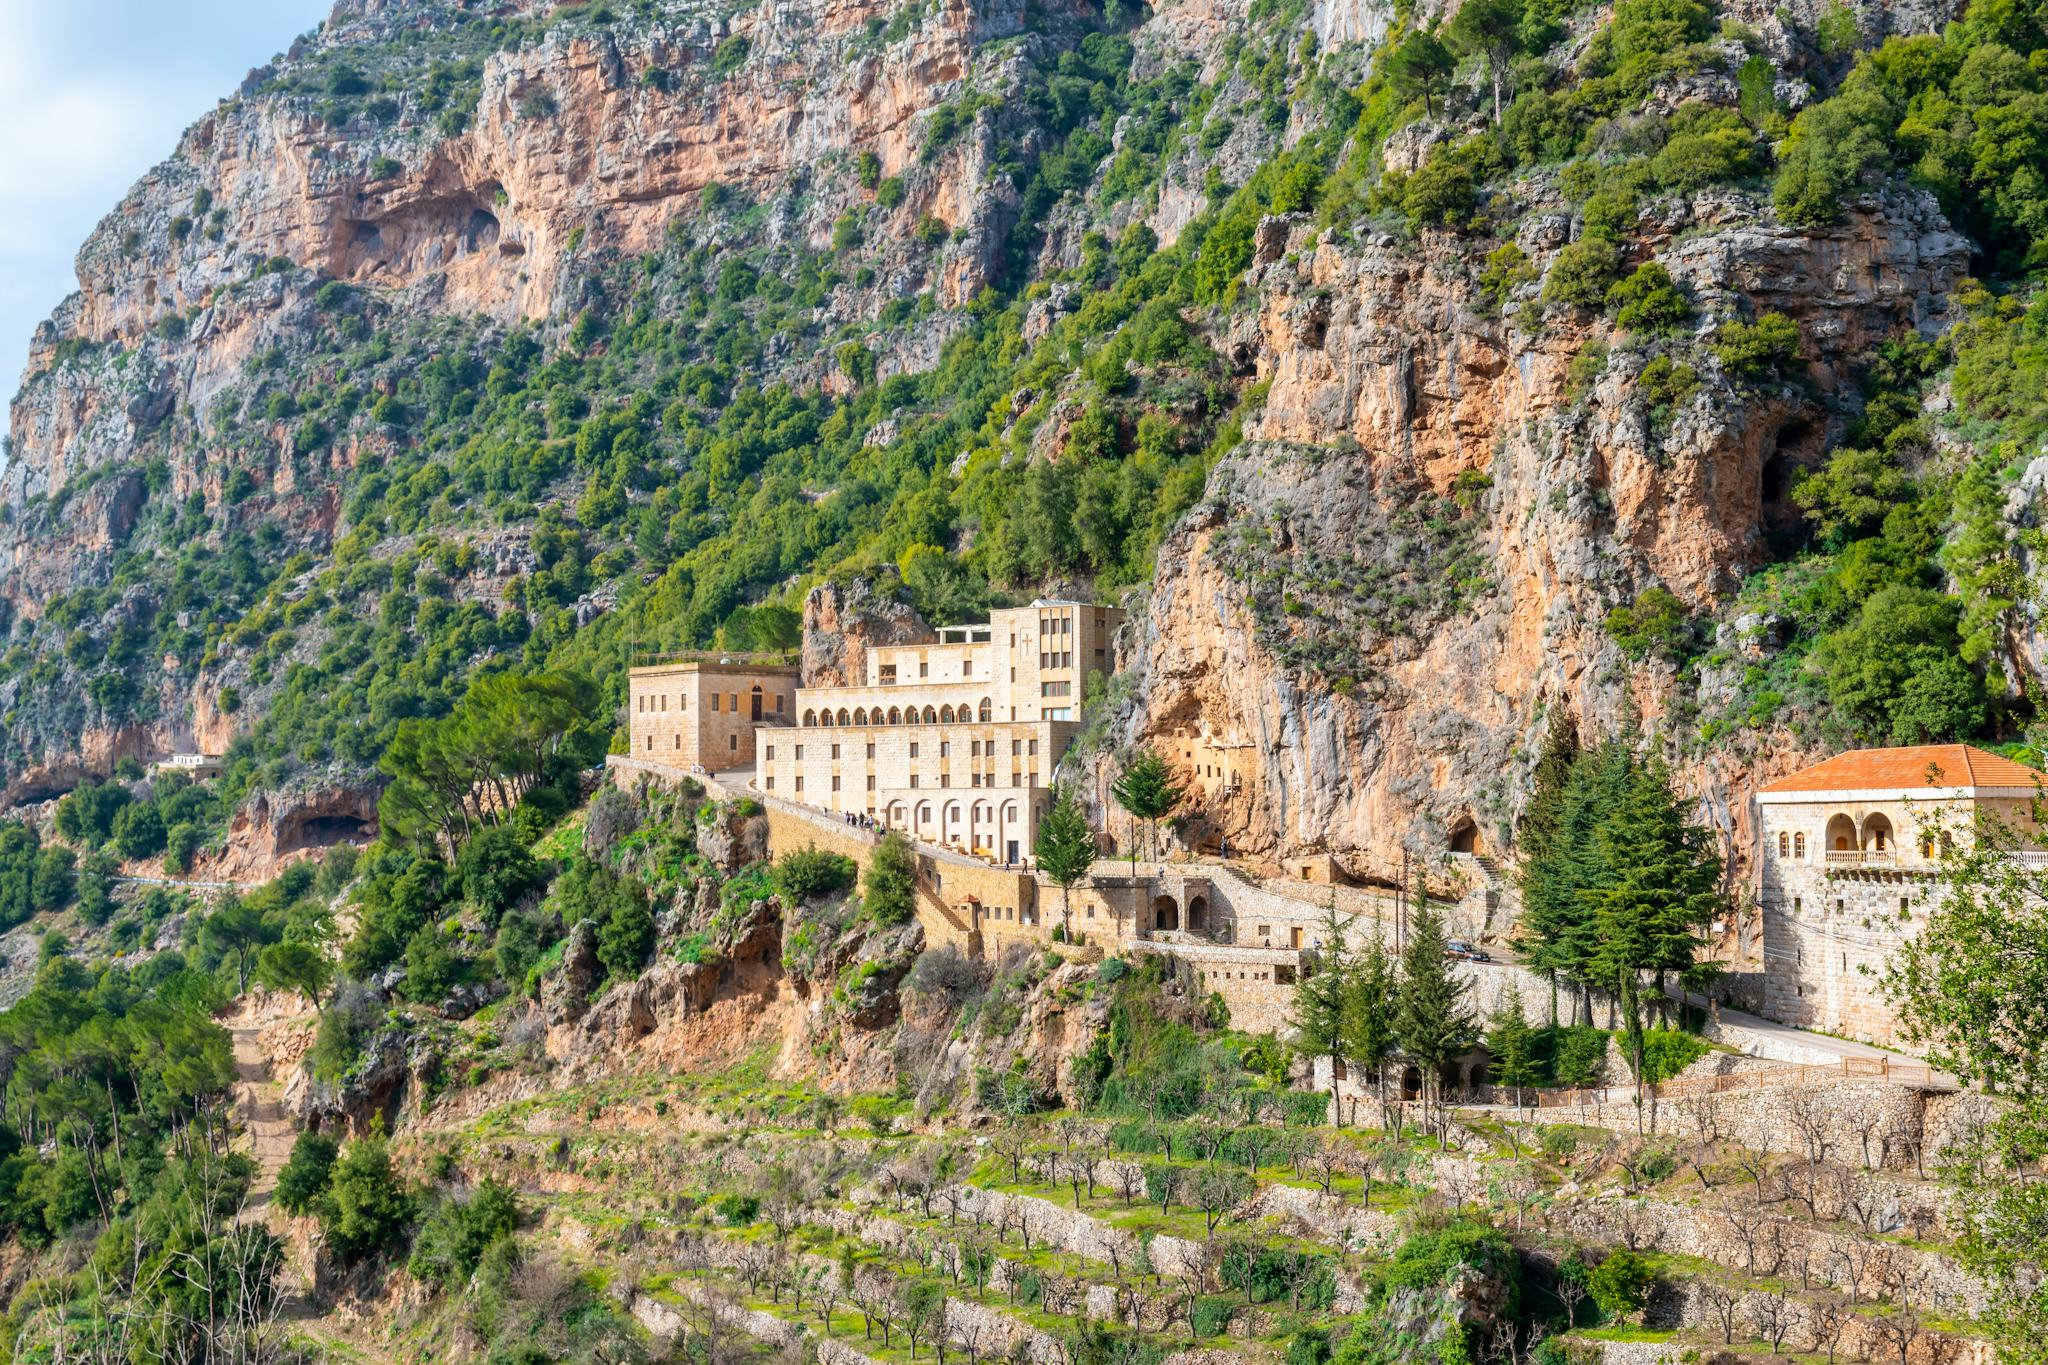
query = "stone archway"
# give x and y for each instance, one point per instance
(1165, 913)
(1198, 915)
(1465, 837)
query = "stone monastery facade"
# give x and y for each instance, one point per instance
(953, 742)
(1848, 854)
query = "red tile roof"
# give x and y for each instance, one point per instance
(1922, 765)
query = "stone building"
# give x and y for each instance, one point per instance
(1848, 852)
(953, 741)
(701, 714)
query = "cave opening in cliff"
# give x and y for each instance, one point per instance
(1465, 837)
(1791, 453)
(320, 831)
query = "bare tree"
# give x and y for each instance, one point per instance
(1826, 1319)
(1632, 1221)
(1774, 1315)
(1012, 1144)
(1899, 1330)
(1130, 1180)
(1746, 1224)
(1868, 1202)
(1755, 1162)
(1810, 1119)
(1722, 1302)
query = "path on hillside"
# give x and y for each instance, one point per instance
(260, 1101)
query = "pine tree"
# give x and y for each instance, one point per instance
(1065, 850)
(1431, 1018)
(1661, 884)
(1146, 789)
(1511, 1041)
(1538, 831)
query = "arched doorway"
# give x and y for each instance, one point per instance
(1198, 914)
(1411, 1083)
(1165, 913)
(1841, 834)
(754, 697)
(1877, 833)
(1465, 837)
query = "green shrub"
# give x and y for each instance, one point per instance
(1655, 624)
(1665, 384)
(1507, 268)
(730, 55)
(1756, 350)
(890, 894)
(367, 1211)
(1621, 1284)
(1648, 300)
(1212, 1314)
(809, 872)
(1580, 274)
(737, 1210)
(453, 1238)
(303, 1180)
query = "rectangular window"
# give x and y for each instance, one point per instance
(771, 782)
(913, 780)
(799, 753)
(924, 670)
(871, 781)
(945, 748)
(1016, 747)
(1034, 748)
(799, 783)
(732, 744)
(835, 751)
(871, 751)
(771, 753)
(835, 784)
(714, 702)
(913, 748)
(945, 779)
(1055, 689)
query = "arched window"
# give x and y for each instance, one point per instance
(1799, 844)
(842, 715)
(1784, 844)
(1927, 845)
(987, 712)
(860, 715)
(1877, 833)
(945, 715)
(931, 717)
(810, 717)
(895, 716)
(1841, 834)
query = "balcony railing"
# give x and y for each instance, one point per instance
(1865, 857)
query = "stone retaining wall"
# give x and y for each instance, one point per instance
(1876, 1270)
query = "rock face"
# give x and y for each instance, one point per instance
(843, 621)
(1388, 587)
(1350, 642)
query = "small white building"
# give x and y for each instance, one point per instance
(198, 767)
(1847, 860)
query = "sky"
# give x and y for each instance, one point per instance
(92, 94)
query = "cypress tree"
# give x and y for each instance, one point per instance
(1065, 850)
(1321, 997)
(1557, 915)
(1511, 1041)
(1431, 1018)
(1660, 884)
(1369, 1011)
(1147, 790)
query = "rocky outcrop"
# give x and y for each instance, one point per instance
(842, 621)
(1391, 584)
(275, 826)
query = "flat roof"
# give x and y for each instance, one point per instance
(723, 666)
